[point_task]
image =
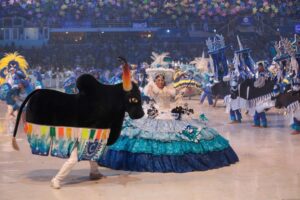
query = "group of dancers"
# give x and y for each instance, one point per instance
(172, 137)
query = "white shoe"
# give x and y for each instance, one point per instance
(55, 183)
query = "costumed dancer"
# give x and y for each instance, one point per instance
(117, 76)
(170, 139)
(69, 84)
(15, 85)
(15, 97)
(216, 50)
(243, 62)
(105, 78)
(259, 117)
(205, 77)
(295, 60)
(296, 115)
(233, 102)
(140, 77)
(37, 80)
(290, 99)
(207, 93)
(139, 74)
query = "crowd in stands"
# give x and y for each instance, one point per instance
(103, 53)
(92, 12)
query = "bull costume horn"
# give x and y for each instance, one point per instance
(126, 77)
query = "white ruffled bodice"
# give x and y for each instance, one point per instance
(163, 97)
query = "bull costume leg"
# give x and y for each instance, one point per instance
(232, 115)
(256, 119)
(235, 116)
(239, 116)
(260, 119)
(216, 101)
(67, 167)
(263, 119)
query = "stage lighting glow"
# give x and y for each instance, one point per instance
(168, 31)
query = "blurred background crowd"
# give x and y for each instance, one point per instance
(258, 23)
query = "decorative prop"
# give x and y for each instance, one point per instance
(92, 118)
(216, 48)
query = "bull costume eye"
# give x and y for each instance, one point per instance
(133, 100)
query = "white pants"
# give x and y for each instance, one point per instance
(70, 163)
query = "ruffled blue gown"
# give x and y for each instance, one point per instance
(164, 144)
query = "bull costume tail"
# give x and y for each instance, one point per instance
(14, 141)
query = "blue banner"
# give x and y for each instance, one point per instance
(246, 21)
(297, 28)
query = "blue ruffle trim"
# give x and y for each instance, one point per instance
(295, 127)
(155, 147)
(141, 162)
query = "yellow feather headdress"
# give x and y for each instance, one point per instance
(14, 57)
(23, 65)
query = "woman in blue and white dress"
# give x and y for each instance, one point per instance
(161, 142)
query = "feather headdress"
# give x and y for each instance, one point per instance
(16, 57)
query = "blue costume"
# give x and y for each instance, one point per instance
(70, 85)
(207, 93)
(38, 82)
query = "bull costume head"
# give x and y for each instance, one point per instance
(91, 119)
(132, 93)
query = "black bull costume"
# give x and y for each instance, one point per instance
(91, 119)
(253, 94)
(289, 101)
(220, 89)
(246, 90)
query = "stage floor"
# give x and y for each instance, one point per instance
(269, 168)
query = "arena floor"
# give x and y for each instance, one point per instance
(269, 168)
